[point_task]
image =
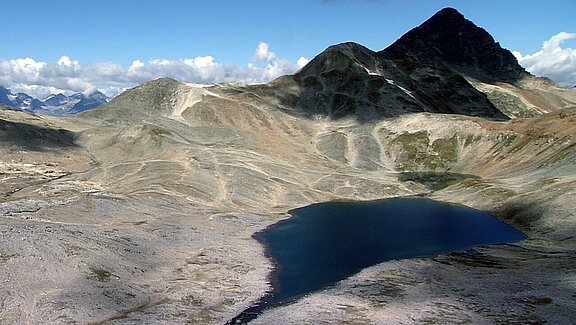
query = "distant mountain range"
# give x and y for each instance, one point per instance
(58, 104)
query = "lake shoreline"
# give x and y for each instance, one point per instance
(270, 301)
(487, 283)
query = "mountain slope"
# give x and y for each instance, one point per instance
(448, 40)
(446, 65)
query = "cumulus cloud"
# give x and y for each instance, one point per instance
(267, 64)
(263, 53)
(67, 62)
(302, 61)
(25, 71)
(552, 61)
(66, 75)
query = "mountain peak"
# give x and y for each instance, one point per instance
(449, 11)
(349, 79)
(345, 57)
(55, 104)
(448, 39)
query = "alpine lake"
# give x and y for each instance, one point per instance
(324, 243)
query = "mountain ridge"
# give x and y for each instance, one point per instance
(449, 39)
(350, 80)
(446, 65)
(55, 104)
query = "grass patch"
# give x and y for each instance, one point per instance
(511, 105)
(435, 180)
(548, 181)
(447, 149)
(416, 151)
(101, 274)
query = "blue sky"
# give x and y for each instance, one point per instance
(247, 39)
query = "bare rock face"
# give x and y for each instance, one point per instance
(448, 39)
(424, 71)
(350, 80)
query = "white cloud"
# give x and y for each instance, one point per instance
(66, 61)
(201, 62)
(66, 75)
(552, 61)
(302, 61)
(263, 53)
(268, 65)
(24, 70)
(136, 64)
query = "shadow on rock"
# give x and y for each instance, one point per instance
(34, 137)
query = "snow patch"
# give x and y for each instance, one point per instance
(370, 72)
(195, 85)
(406, 91)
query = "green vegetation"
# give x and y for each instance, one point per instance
(511, 105)
(413, 150)
(548, 181)
(101, 274)
(447, 149)
(416, 152)
(471, 139)
(435, 180)
(499, 192)
(475, 182)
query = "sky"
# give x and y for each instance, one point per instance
(110, 45)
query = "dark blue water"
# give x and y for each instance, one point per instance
(324, 243)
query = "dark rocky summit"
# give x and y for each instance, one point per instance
(448, 39)
(424, 71)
